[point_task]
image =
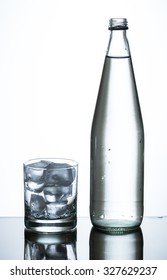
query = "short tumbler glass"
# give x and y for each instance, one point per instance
(50, 194)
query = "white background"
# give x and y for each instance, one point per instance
(51, 59)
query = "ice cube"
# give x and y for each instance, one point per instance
(39, 164)
(60, 174)
(33, 174)
(27, 250)
(50, 198)
(27, 197)
(35, 186)
(34, 251)
(56, 252)
(57, 194)
(56, 210)
(37, 251)
(34, 178)
(58, 191)
(37, 205)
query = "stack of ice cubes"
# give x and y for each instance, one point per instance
(50, 190)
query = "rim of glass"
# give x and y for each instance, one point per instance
(72, 163)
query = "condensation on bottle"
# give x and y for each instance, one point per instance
(117, 141)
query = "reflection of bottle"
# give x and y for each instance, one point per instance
(106, 246)
(117, 141)
(50, 246)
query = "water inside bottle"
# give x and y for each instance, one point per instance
(117, 149)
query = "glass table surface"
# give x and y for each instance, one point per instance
(149, 242)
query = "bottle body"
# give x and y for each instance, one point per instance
(117, 149)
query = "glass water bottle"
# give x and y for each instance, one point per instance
(117, 141)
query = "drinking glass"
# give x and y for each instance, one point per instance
(50, 194)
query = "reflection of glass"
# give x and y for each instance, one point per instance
(50, 246)
(105, 246)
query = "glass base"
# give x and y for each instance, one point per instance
(59, 225)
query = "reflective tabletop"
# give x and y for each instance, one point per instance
(149, 242)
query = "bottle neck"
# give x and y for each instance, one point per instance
(118, 44)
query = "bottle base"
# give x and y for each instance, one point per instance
(116, 226)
